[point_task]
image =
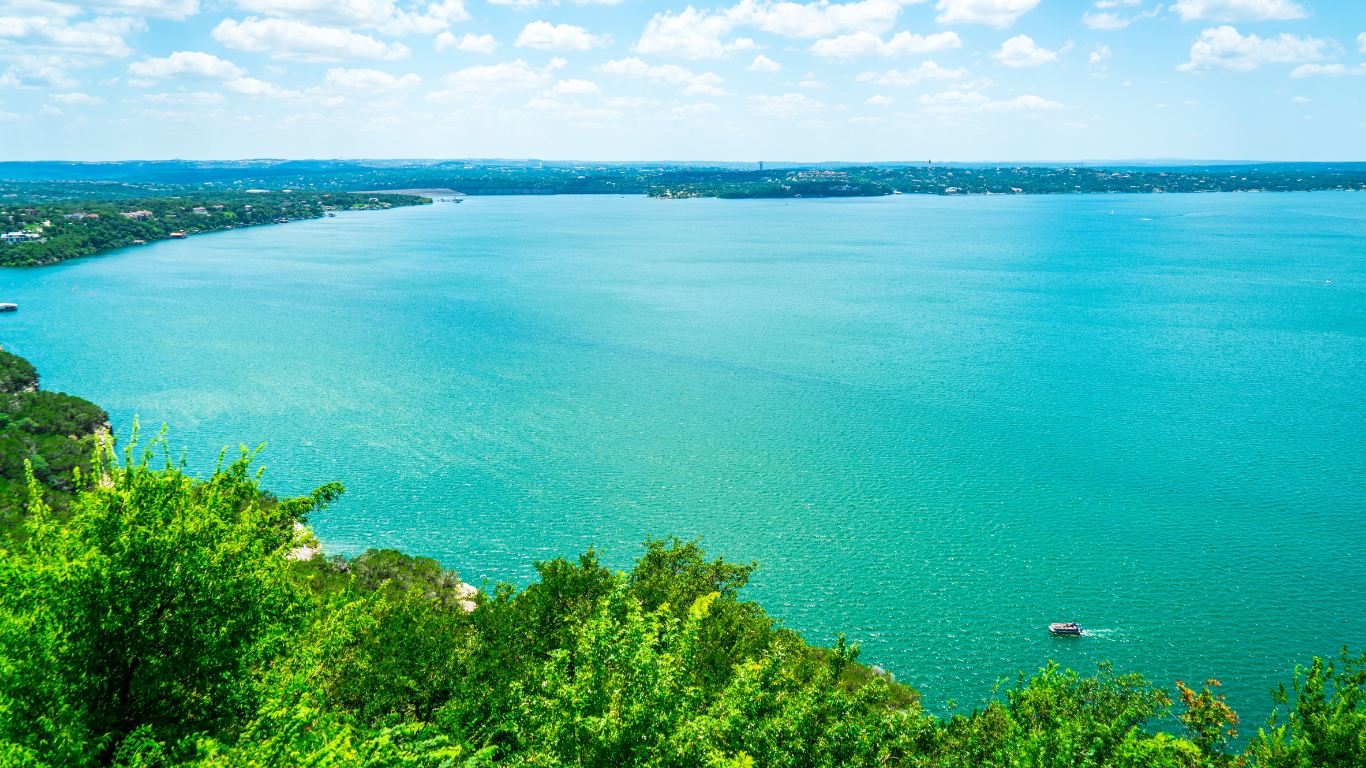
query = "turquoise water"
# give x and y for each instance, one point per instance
(937, 423)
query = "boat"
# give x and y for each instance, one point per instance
(333, 215)
(1065, 628)
(8, 307)
(177, 235)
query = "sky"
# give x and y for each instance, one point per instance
(743, 80)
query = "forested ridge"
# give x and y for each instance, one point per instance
(150, 618)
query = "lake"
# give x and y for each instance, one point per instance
(938, 423)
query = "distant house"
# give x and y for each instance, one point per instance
(202, 211)
(218, 207)
(139, 215)
(81, 216)
(15, 238)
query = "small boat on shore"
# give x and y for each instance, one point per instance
(1065, 628)
(9, 307)
(177, 235)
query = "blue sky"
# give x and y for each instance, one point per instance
(970, 80)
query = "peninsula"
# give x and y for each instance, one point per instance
(51, 222)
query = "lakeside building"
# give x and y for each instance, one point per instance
(15, 238)
(139, 215)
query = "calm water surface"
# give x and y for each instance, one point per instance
(937, 423)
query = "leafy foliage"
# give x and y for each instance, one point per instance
(163, 622)
(1209, 721)
(1327, 719)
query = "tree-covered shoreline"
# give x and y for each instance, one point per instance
(83, 227)
(158, 619)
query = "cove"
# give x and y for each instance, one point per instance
(937, 423)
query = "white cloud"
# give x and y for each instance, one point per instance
(1112, 21)
(763, 63)
(76, 98)
(573, 111)
(100, 38)
(1361, 42)
(564, 37)
(165, 9)
(1095, 65)
(191, 64)
(694, 110)
(702, 89)
(1021, 51)
(259, 88)
(879, 100)
(449, 10)
(1300, 99)
(1329, 70)
(29, 71)
(818, 19)
(297, 41)
(184, 97)
(952, 102)
(486, 82)
(787, 105)
(1239, 10)
(517, 3)
(692, 34)
(927, 70)
(1224, 48)
(470, 43)
(383, 15)
(629, 102)
(635, 67)
(868, 44)
(371, 80)
(703, 84)
(698, 34)
(48, 109)
(567, 87)
(954, 97)
(997, 13)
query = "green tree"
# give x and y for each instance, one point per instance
(150, 610)
(1326, 725)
